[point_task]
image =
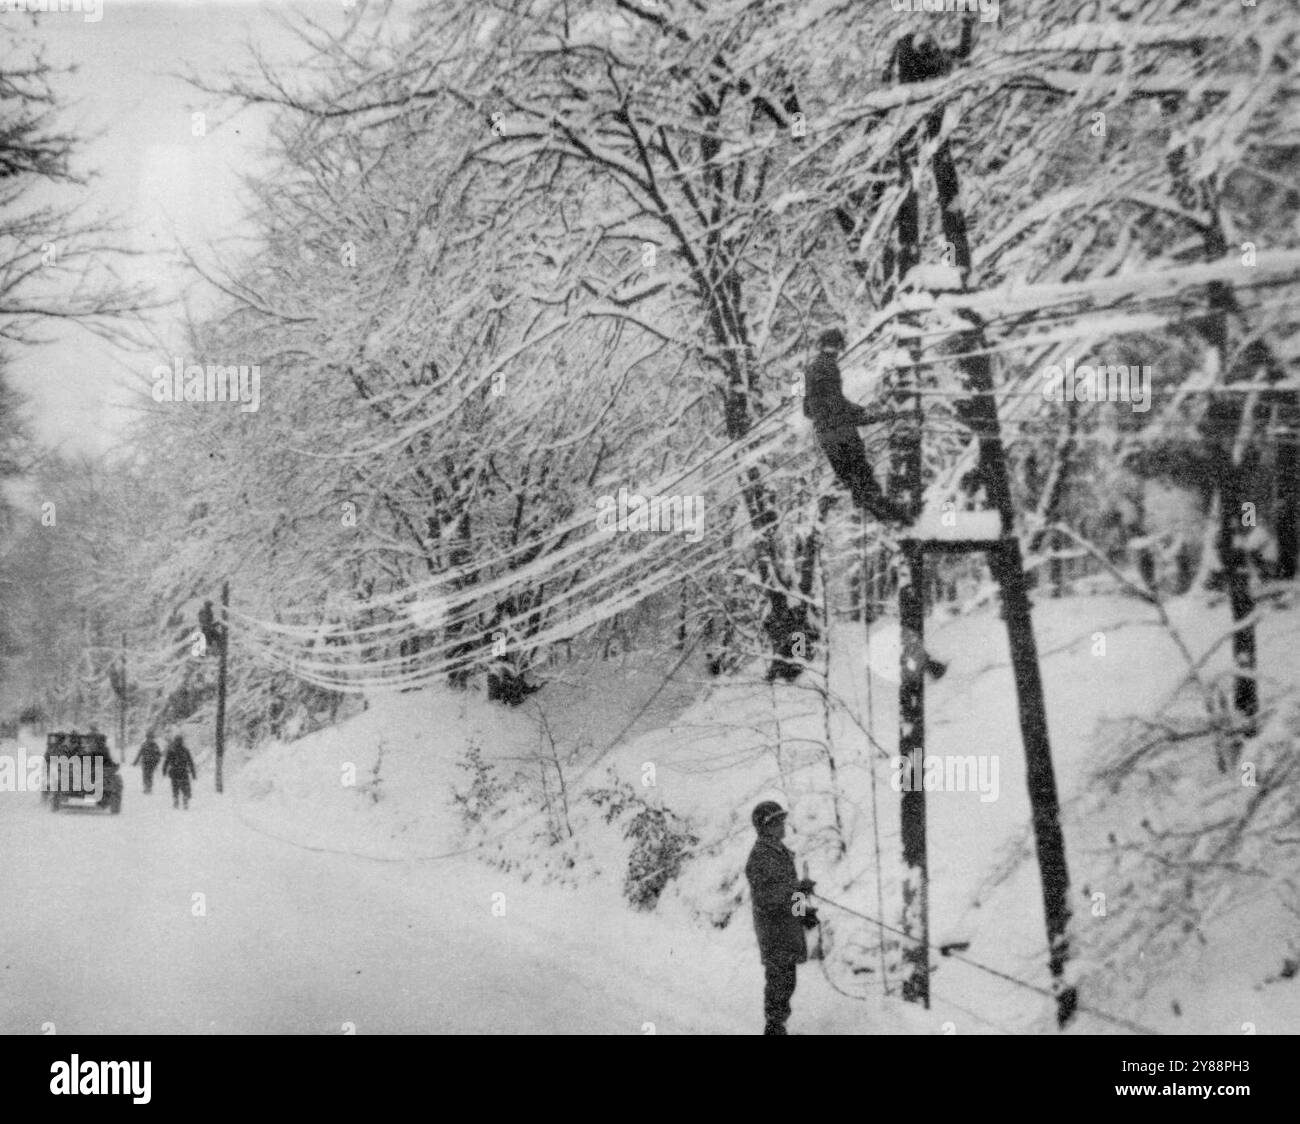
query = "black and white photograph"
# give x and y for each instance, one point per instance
(650, 517)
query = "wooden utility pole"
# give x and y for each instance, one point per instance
(911, 748)
(980, 413)
(906, 485)
(921, 60)
(223, 634)
(121, 702)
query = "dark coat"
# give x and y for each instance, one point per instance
(149, 753)
(178, 763)
(824, 402)
(772, 886)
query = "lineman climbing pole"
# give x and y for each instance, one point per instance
(978, 412)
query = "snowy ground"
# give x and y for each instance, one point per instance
(102, 937)
(336, 889)
(102, 933)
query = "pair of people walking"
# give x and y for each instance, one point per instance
(177, 765)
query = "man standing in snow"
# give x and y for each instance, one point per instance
(780, 915)
(835, 420)
(179, 765)
(148, 759)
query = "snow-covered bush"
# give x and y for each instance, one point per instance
(481, 799)
(661, 840)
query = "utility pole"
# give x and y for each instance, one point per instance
(979, 413)
(911, 748)
(919, 58)
(117, 681)
(223, 634)
(906, 483)
(121, 703)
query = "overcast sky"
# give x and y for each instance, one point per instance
(151, 170)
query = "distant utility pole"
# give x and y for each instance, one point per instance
(121, 702)
(223, 634)
(117, 681)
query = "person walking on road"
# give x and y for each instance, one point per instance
(147, 758)
(179, 766)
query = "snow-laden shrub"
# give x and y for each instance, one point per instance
(661, 840)
(482, 797)
(1192, 837)
(516, 820)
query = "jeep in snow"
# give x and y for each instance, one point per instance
(81, 773)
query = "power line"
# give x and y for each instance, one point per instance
(1117, 1020)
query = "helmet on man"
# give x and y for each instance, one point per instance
(832, 340)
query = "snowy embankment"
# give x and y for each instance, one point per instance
(380, 785)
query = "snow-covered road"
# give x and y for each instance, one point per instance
(162, 921)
